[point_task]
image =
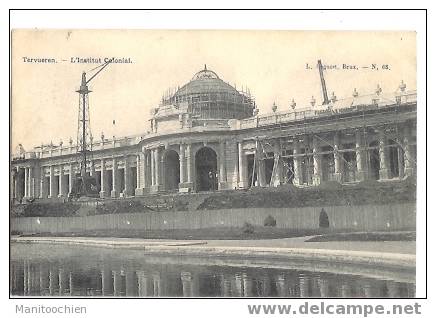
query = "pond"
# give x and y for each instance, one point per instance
(77, 271)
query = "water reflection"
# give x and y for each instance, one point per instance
(82, 272)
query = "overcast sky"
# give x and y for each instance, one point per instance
(271, 63)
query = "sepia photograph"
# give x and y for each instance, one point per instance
(213, 163)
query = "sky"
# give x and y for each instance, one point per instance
(272, 64)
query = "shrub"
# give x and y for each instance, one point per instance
(248, 228)
(269, 221)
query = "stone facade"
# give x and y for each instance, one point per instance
(208, 136)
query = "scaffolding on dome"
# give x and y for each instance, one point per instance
(207, 96)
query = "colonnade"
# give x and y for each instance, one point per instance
(304, 160)
(315, 158)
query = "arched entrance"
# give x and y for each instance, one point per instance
(206, 169)
(172, 170)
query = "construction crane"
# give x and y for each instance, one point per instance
(323, 86)
(85, 185)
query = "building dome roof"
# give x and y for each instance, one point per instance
(206, 81)
(205, 73)
(206, 96)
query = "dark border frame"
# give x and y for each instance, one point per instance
(255, 298)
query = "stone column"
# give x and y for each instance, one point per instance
(147, 170)
(25, 287)
(15, 183)
(21, 184)
(345, 290)
(238, 285)
(71, 178)
(71, 282)
(400, 162)
(19, 191)
(222, 167)
(43, 279)
(184, 185)
(37, 182)
(282, 286)
(152, 162)
(128, 189)
(368, 290)
(156, 167)
(18, 184)
(337, 157)
(182, 162)
(278, 167)
(188, 164)
(226, 286)
(106, 282)
(29, 278)
(26, 182)
(235, 179)
(31, 182)
(190, 284)
(361, 158)
(145, 284)
(248, 285)
(408, 158)
(43, 185)
(157, 285)
(139, 187)
(243, 182)
(52, 183)
(131, 283)
(53, 280)
(393, 289)
(92, 168)
(61, 181)
(13, 279)
(317, 163)
(117, 283)
(103, 179)
(115, 193)
(304, 287)
(261, 178)
(384, 161)
(62, 281)
(297, 164)
(323, 287)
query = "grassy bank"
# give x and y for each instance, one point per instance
(229, 233)
(286, 196)
(258, 233)
(365, 237)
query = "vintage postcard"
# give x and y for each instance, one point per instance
(213, 163)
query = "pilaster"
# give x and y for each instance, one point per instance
(243, 180)
(337, 157)
(115, 193)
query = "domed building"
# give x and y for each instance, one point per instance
(204, 100)
(207, 135)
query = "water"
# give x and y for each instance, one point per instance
(66, 271)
